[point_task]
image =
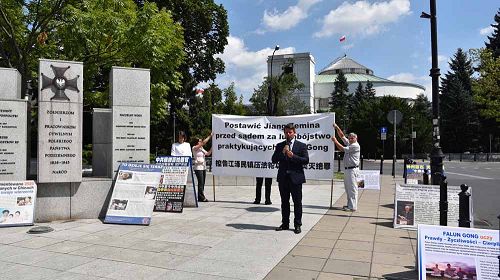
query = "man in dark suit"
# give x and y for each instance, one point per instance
(291, 156)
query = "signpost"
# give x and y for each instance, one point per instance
(394, 117)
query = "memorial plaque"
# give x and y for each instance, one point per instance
(13, 140)
(10, 83)
(60, 114)
(130, 93)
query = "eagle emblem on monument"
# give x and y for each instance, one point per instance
(60, 83)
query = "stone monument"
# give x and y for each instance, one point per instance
(13, 127)
(60, 109)
(130, 100)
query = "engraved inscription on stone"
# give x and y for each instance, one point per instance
(130, 135)
(60, 121)
(13, 135)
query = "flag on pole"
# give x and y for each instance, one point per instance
(342, 39)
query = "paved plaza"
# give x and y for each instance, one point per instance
(228, 239)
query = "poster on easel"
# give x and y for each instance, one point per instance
(457, 253)
(174, 192)
(414, 173)
(419, 204)
(369, 179)
(17, 203)
(134, 194)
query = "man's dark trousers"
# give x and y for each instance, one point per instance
(258, 188)
(287, 188)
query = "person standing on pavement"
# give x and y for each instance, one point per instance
(291, 155)
(352, 152)
(181, 148)
(200, 167)
(258, 190)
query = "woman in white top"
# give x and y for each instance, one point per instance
(181, 148)
(200, 167)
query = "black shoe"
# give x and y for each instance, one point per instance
(268, 202)
(282, 227)
(297, 230)
(256, 202)
(203, 199)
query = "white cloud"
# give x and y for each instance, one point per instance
(244, 67)
(292, 16)
(486, 31)
(441, 58)
(347, 47)
(362, 17)
(425, 81)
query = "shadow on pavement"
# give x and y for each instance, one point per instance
(385, 224)
(259, 209)
(410, 275)
(251, 226)
(390, 206)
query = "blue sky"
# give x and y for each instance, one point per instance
(387, 36)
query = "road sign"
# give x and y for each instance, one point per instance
(383, 129)
(395, 115)
(383, 136)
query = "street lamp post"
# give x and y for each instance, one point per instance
(270, 111)
(412, 136)
(436, 153)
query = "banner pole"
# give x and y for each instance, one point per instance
(331, 195)
(213, 185)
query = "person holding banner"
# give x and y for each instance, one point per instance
(200, 167)
(291, 156)
(181, 148)
(352, 152)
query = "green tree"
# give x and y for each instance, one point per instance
(340, 98)
(284, 96)
(494, 40)
(459, 131)
(232, 104)
(205, 35)
(358, 94)
(25, 27)
(369, 90)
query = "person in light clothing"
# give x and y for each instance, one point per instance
(200, 167)
(181, 148)
(352, 152)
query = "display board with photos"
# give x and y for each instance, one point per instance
(369, 179)
(414, 173)
(134, 193)
(171, 192)
(17, 203)
(419, 204)
(457, 253)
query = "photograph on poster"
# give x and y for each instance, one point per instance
(405, 210)
(440, 266)
(118, 204)
(13, 216)
(150, 192)
(24, 200)
(124, 175)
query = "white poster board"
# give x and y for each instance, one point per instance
(17, 203)
(243, 146)
(369, 179)
(457, 253)
(419, 204)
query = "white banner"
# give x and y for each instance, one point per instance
(243, 146)
(457, 253)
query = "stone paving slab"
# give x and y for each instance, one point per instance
(365, 244)
(228, 239)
